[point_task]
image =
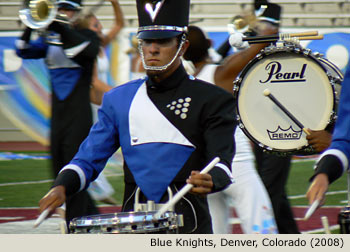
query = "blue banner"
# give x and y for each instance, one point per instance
(24, 92)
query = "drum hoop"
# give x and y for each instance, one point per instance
(290, 49)
(272, 50)
(334, 67)
(165, 222)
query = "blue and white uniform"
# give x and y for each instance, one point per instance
(335, 160)
(70, 66)
(165, 131)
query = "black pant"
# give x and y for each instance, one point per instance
(69, 128)
(274, 171)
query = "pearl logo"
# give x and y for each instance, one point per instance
(180, 107)
(275, 74)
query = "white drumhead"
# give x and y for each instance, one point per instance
(300, 84)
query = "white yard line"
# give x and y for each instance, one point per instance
(11, 218)
(303, 159)
(47, 181)
(334, 227)
(27, 182)
(301, 196)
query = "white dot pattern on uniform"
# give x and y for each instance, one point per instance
(180, 107)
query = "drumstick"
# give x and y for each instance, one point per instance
(301, 34)
(41, 217)
(258, 41)
(325, 224)
(311, 37)
(278, 36)
(290, 115)
(311, 209)
(184, 190)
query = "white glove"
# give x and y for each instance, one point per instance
(213, 55)
(236, 41)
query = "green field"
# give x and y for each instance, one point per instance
(24, 182)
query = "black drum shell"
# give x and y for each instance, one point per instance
(344, 220)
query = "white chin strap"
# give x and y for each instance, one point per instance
(160, 68)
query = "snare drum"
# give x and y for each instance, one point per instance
(126, 223)
(301, 81)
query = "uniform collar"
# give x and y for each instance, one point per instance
(171, 82)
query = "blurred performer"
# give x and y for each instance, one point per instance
(100, 78)
(169, 126)
(272, 169)
(70, 67)
(335, 160)
(100, 189)
(137, 70)
(248, 194)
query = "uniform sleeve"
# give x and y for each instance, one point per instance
(78, 45)
(27, 49)
(334, 161)
(220, 126)
(101, 143)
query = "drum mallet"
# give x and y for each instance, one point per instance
(311, 209)
(41, 217)
(290, 115)
(325, 225)
(260, 41)
(312, 35)
(276, 37)
(183, 191)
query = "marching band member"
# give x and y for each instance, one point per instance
(248, 194)
(70, 67)
(335, 160)
(168, 124)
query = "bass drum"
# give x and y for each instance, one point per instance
(303, 82)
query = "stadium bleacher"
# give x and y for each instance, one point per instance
(296, 13)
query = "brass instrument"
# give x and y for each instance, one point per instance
(38, 14)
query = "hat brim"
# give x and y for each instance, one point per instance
(67, 6)
(163, 34)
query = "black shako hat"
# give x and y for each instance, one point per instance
(69, 4)
(162, 18)
(268, 11)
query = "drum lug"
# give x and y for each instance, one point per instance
(180, 220)
(236, 88)
(280, 43)
(318, 54)
(150, 205)
(307, 52)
